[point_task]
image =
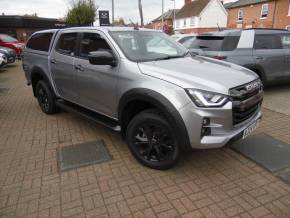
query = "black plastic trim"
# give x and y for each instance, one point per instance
(165, 107)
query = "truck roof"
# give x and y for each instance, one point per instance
(105, 29)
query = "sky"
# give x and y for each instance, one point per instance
(127, 9)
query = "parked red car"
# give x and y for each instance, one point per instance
(10, 42)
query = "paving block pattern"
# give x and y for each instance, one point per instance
(214, 183)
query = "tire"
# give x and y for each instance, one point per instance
(152, 140)
(46, 98)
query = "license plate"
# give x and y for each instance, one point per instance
(251, 129)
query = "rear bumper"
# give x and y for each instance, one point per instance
(222, 130)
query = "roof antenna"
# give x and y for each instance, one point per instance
(218, 27)
(136, 27)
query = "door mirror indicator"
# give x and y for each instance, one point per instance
(102, 58)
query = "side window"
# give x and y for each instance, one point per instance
(92, 42)
(40, 41)
(67, 43)
(267, 42)
(286, 41)
(230, 43)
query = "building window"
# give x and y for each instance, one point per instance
(192, 21)
(184, 22)
(289, 10)
(177, 24)
(288, 28)
(264, 10)
(241, 14)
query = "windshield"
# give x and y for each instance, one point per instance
(142, 46)
(6, 38)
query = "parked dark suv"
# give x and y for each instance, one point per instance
(265, 51)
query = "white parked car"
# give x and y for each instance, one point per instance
(181, 38)
(3, 60)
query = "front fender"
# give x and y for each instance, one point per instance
(163, 105)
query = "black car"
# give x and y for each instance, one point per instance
(9, 53)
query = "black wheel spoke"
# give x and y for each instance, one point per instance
(148, 130)
(43, 99)
(153, 142)
(168, 147)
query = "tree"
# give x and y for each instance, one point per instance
(82, 13)
(119, 22)
(141, 13)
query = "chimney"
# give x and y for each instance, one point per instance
(187, 2)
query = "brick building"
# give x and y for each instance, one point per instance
(167, 20)
(197, 16)
(259, 14)
(21, 27)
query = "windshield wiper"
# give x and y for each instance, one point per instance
(168, 57)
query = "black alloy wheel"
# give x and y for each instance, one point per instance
(152, 140)
(45, 97)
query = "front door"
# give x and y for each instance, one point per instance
(286, 47)
(62, 65)
(96, 84)
(269, 54)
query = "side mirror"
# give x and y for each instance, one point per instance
(102, 58)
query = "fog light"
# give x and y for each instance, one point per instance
(205, 121)
(205, 131)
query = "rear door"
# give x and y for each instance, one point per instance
(62, 65)
(96, 84)
(268, 53)
(286, 47)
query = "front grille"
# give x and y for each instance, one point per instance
(247, 100)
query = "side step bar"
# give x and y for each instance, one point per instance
(88, 114)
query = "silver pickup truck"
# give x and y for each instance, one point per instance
(145, 85)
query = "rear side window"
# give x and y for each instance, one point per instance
(214, 43)
(40, 41)
(67, 43)
(286, 41)
(230, 43)
(267, 42)
(208, 43)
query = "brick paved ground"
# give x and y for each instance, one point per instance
(278, 99)
(216, 183)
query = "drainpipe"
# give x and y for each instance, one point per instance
(274, 14)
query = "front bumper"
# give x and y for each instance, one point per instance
(221, 124)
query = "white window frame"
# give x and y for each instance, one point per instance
(240, 15)
(264, 9)
(192, 21)
(177, 23)
(289, 9)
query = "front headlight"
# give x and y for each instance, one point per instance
(207, 99)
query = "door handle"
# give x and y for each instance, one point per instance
(79, 68)
(53, 61)
(259, 58)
